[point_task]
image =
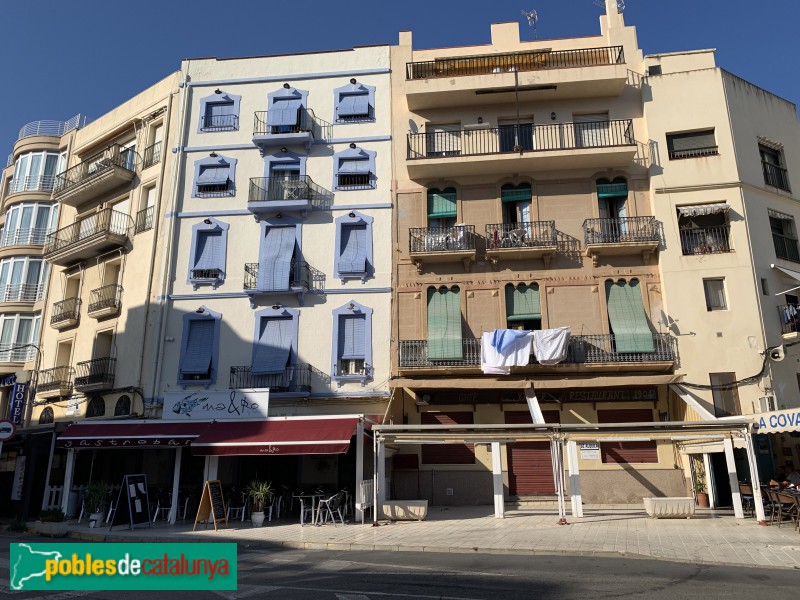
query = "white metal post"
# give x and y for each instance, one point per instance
(733, 478)
(558, 479)
(176, 480)
(755, 479)
(376, 443)
(381, 477)
(574, 479)
(211, 467)
(712, 496)
(68, 471)
(359, 467)
(49, 467)
(497, 480)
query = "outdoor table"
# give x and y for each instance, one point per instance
(315, 498)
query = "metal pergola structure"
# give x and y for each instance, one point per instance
(563, 440)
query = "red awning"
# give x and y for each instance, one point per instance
(131, 434)
(292, 435)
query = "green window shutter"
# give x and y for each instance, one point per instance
(516, 193)
(522, 302)
(441, 203)
(627, 318)
(444, 325)
(612, 190)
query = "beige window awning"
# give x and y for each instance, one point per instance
(699, 210)
(539, 383)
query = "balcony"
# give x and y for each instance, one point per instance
(102, 231)
(286, 127)
(694, 152)
(706, 240)
(483, 79)
(219, 123)
(94, 375)
(521, 241)
(775, 176)
(144, 219)
(55, 382)
(98, 174)
(65, 313)
(789, 315)
(278, 194)
(623, 236)
(428, 245)
(583, 350)
(22, 292)
(106, 301)
(151, 155)
(785, 247)
(258, 281)
(38, 183)
(16, 353)
(294, 379)
(535, 149)
(32, 236)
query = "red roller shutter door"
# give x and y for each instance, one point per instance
(447, 454)
(627, 452)
(530, 467)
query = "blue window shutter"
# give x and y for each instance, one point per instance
(354, 105)
(196, 359)
(273, 346)
(273, 273)
(216, 175)
(358, 166)
(627, 317)
(352, 337)
(208, 254)
(444, 325)
(283, 112)
(353, 253)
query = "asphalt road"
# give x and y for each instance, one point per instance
(319, 575)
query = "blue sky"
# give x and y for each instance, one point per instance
(88, 56)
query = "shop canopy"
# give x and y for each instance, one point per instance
(278, 436)
(131, 434)
(701, 210)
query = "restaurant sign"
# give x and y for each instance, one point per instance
(213, 404)
(779, 421)
(601, 395)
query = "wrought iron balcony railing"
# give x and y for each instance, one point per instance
(514, 61)
(281, 189)
(775, 176)
(57, 379)
(441, 239)
(201, 275)
(304, 123)
(528, 234)
(16, 353)
(144, 219)
(219, 122)
(694, 152)
(37, 183)
(295, 378)
(52, 128)
(35, 236)
(582, 349)
(786, 247)
(706, 240)
(104, 222)
(68, 309)
(626, 229)
(151, 155)
(95, 372)
(789, 315)
(106, 297)
(113, 156)
(511, 139)
(255, 277)
(21, 292)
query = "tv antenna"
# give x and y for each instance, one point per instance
(620, 4)
(533, 19)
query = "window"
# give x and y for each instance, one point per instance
(354, 169)
(516, 137)
(704, 229)
(354, 103)
(443, 139)
(28, 224)
(691, 144)
(275, 342)
(353, 248)
(214, 177)
(286, 111)
(447, 454)
(123, 406)
(715, 294)
(208, 253)
(96, 408)
(523, 307)
(784, 238)
(147, 203)
(199, 347)
(36, 171)
(352, 343)
(591, 131)
(22, 279)
(46, 416)
(725, 394)
(219, 112)
(775, 173)
(441, 207)
(17, 331)
(627, 317)
(654, 70)
(627, 452)
(445, 340)
(516, 201)
(279, 266)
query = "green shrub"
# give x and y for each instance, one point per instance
(52, 516)
(18, 526)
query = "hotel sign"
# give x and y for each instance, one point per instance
(216, 405)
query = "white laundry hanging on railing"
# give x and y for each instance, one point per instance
(550, 345)
(502, 349)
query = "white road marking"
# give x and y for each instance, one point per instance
(351, 597)
(246, 591)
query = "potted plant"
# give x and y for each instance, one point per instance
(260, 493)
(701, 494)
(95, 501)
(52, 523)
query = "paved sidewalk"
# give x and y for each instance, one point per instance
(712, 537)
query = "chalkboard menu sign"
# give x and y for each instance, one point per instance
(212, 505)
(133, 502)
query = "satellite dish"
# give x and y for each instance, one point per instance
(533, 19)
(412, 126)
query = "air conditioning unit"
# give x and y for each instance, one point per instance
(767, 403)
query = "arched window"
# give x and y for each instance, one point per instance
(96, 407)
(442, 207)
(516, 201)
(123, 406)
(612, 196)
(46, 416)
(523, 307)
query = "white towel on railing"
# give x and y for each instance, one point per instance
(494, 362)
(550, 345)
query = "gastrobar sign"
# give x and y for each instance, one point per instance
(223, 404)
